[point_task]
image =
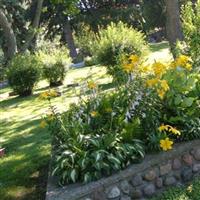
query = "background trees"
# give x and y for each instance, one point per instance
(20, 20)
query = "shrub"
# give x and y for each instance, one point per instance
(191, 27)
(114, 41)
(84, 40)
(55, 63)
(23, 73)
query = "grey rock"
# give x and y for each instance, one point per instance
(125, 198)
(176, 164)
(196, 154)
(187, 159)
(137, 180)
(170, 181)
(177, 175)
(136, 193)
(113, 193)
(165, 169)
(196, 168)
(150, 175)
(149, 190)
(125, 187)
(159, 182)
(187, 174)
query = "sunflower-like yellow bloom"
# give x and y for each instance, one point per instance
(128, 67)
(169, 129)
(92, 85)
(164, 85)
(163, 128)
(174, 131)
(161, 93)
(182, 60)
(134, 59)
(94, 113)
(166, 144)
(48, 94)
(152, 82)
(159, 68)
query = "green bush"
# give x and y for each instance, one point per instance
(84, 40)
(54, 73)
(55, 64)
(23, 73)
(191, 27)
(114, 41)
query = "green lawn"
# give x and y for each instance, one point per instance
(23, 171)
(191, 192)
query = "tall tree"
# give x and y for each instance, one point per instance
(15, 17)
(9, 36)
(34, 27)
(173, 22)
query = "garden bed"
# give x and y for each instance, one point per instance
(153, 175)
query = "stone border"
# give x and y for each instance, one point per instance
(153, 174)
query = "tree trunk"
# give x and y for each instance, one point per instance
(35, 25)
(69, 39)
(9, 35)
(173, 23)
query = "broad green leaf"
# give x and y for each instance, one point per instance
(187, 102)
(73, 175)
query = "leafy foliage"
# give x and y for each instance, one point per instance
(191, 28)
(111, 45)
(55, 63)
(23, 73)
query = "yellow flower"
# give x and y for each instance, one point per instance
(134, 59)
(91, 85)
(128, 67)
(94, 113)
(145, 69)
(43, 95)
(161, 93)
(53, 93)
(169, 129)
(174, 131)
(188, 66)
(48, 94)
(182, 60)
(163, 128)
(108, 110)
(152, 82)
(166, 144)
(159, 68)
(164, 85)
(190, 188)
(43, 124)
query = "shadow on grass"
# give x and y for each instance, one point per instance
(107, 86)
(154, 47)
(26, 162)
(17, 100)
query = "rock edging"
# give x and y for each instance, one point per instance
(139, 181)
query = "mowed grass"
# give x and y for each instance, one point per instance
(190, 192)
(24, 169)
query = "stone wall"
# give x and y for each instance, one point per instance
(139, 181)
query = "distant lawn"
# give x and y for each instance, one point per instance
(23, 171)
